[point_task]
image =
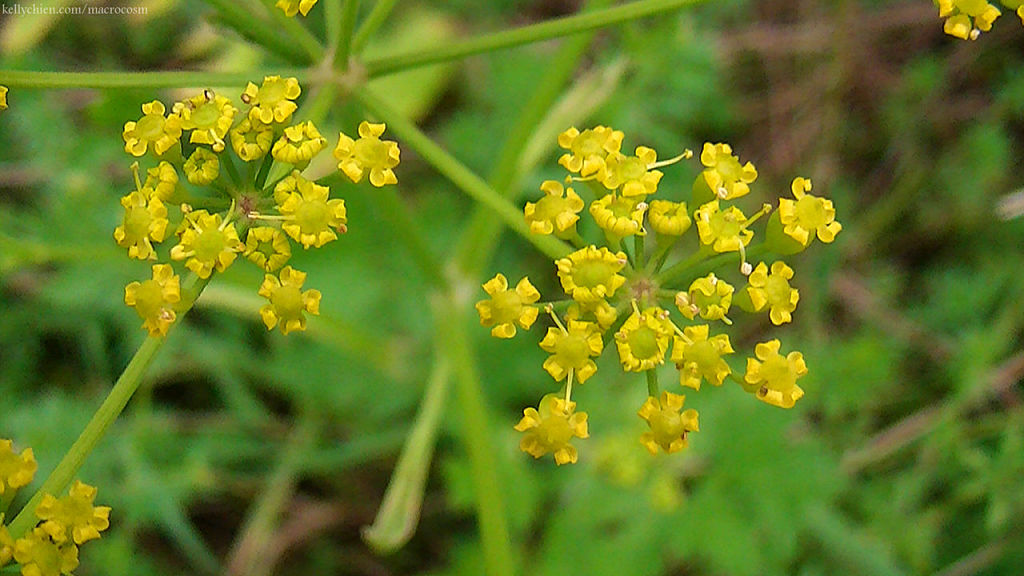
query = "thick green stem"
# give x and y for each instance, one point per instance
(182, 79)
(349, 11)
(525, 35)
(381, 11)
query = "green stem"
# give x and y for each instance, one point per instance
(235, 15)
(96, 429)
(180, 79)
(652, 383)
(462, 177)
(380, 12)
(526, 35)
(350, 9)
(332, 23)
(296, 32)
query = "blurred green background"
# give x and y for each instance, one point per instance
(906, 456)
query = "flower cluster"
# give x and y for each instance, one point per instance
(228, 183)
(624, 289)
(50, 548)
(967, 19)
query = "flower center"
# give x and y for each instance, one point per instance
(150, 127)
(632, 168)
(587, 144)
(643, 342)
(555, 431)
(777, 374)
(271, 93)
(778, 289)
(287, 302)
(136, 222)
(149, 299)
(507, 306)
(573, 349)
(810, 211)
(725, 225)
(312, 217)
(703, 354)
(206, 115)
(592, 274)
(369, 152)
(210, 244)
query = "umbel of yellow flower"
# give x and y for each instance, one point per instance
(807, 215)
(299, 144)
(310, 216)
(40, 555)
(506, 308)
(589, 150)
(772, 377)
(643, 339)
(668, 427)
(207, 242)
(154, 299)
(74, 515)
(208, 116)
(669, 218)
(145, 222)
(288, 301)
(557, 211)
(591, 274)
(699, 356)
(630, 173)
(725, 230)
(291, 7)
(273, 101)
(773, 290)
(16, 470)
(710, 297)
(724, 174)
(153, 129)
(368, 154)
(550, 427)
(572, 349)
(966, 19)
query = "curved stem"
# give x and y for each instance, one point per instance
(381, 11)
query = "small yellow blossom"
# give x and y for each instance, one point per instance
(619, 216)
(557, 211)
(599, 311)
(39, 555)
(154, 299)
(207, 242)
(967, 19)
(251, 140)
(75, 513)
(591, 274)
(773, 376)
(202, 167)
(643, 339)
(153, 129)
(273, 101)
(310, 216)
(144, 222)
(506, 308)
(267, 247)
(3, 97)
(724, 174)
(669, 218)
(161, 180)
(773, 290)
(668, 425)
(6, 544)
(572, 349)
(368, 154)
(589, 150)
(808, 215)
(725, 230)
(550, 427)
(291, 7)
(208, 116)
(699, 356)
(709, 297)
(631, 173)
(288, 301)
(16, 470)
(299, 144)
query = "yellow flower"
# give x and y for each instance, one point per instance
(550, 427)
(589, 150)
(207, 242)
(631, 173)
(591, 274)
(311, 218)
(299, 144)
(724, 230)
(267, 247)
(699, 356)
(773, 377)
(161, 180)
(571, 350)
(144, 222)
(3, 97)
(619, 216)
(557, 210)
(251, 140)
(39, 555)
(710, 297)
(774, 291)
(643, 339)
(291, 7)
(154, 299)
(208, 116)
(669, 218)
(16, 470)
(202, 167)
(724, 174)
(966, 19)
(599, 311)
(808, 215)
(368, 153)
(273, 101)
(152, 129)
(75, 513)
(6, 544)
(288, 301)
(668, 425)
(506, 308)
